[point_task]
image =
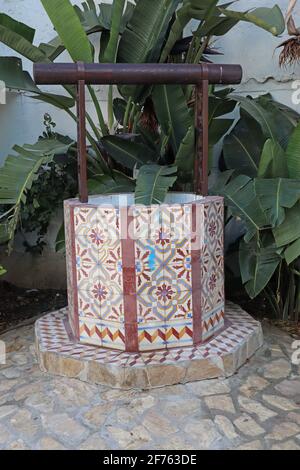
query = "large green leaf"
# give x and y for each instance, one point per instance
(68, 27)
(153, 183)
(20, 170)
(258, 262)
(273, 162)
(106, 184)
(172, 112)
(242, 153)
(292, 252)
(241, 198)
(270, 19)
(218, 107)
(275, 123)
(15, 78)
(17, 27)
(117, 14)
(289, 230)
(190, 9)
(293, 154)
(143, 37)
(185, 156)
(127, 153)
(19, 37)
(276, 195)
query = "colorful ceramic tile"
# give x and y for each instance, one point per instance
(146, 222)
(112, 308)
(108, 222)
(176, 221)
(164, 301)
(179, 333)
(151, 336)
(85, 220)
(90, 332)
(113, 335)
(86, 258)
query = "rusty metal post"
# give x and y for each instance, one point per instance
(202, 144)
(81, 144)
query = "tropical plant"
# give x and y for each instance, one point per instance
(261, 186)
(147, 144)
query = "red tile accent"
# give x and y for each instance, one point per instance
(196, 277)
(129, 283)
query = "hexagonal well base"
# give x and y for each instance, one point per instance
(58, 353)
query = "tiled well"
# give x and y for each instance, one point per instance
(145, 278)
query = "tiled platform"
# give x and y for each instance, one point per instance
(59, 353)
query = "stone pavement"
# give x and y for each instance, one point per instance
(258, 408)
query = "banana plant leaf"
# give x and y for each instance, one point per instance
(129, 154)
(17, 27)
(258, 263)
(190, 9)
(15, 78)
(19, 37)
(273, 163)
(185, 156)
(276, 125)
(292, 252)
(153, 183)
(106, 184)
(293, 154)
(68, 27)
(289, 230)
(270, 19)
(242, 200)
(172, 112)
(117, 15)
(19, 172)
(277, 195)
(143, 37)
(243, 146)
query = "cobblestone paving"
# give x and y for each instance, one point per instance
(258, 408)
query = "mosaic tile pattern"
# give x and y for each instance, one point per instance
(212, 269)
(227, 351)
(148, 291)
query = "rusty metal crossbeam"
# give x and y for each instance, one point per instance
(81, 74)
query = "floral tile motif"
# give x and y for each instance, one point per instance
(164, 301)
(108, 222)
(212, 261)
(178, 263)
(112, 308)
(85, 219)
(86, 258)
(88, 305)
(146, 222)
(176, 221)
